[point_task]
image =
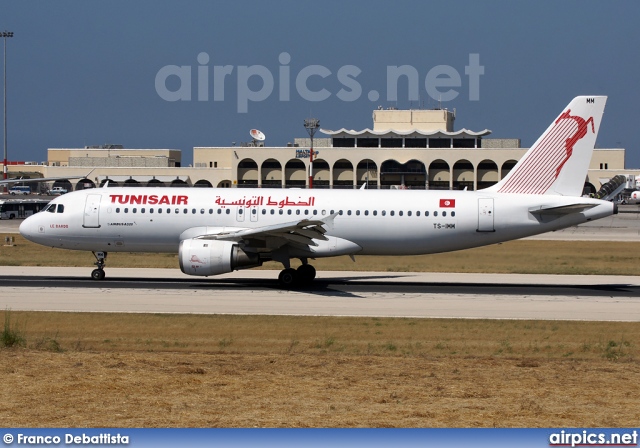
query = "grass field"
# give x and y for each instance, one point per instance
(141, 370)
(102, 370)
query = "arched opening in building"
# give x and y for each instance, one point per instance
(64, 183)
(202, 183)
(463, 175)
(84, 184)
(321, 174)
(295, 174)
(589, 189)
(343, 174)
(131, 183)
(506, 167)
(224, 184)
(247, 173)
(271, 174)
(367, 172)
(487, 174)
(155, 183)
(411, 174)
(112, 183)
(439, 175)
(179, 183)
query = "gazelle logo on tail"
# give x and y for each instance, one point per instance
(557, 163)
(570, 142)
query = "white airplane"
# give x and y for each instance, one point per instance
(215, 231)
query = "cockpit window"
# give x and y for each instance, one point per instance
(60, 208)
(51, 208)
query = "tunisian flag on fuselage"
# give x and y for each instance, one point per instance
(447, 203)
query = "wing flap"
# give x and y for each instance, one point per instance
(297, 233)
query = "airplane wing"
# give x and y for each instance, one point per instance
(297, 233)
(41, 179)
(561, 210)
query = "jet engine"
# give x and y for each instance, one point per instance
(211, 257)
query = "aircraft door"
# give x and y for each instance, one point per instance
(92, 211)
(485, 215)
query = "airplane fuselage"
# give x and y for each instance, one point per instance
(393, 222)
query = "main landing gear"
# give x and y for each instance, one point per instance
(101, 257)
(290, 278)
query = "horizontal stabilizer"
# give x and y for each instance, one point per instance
(561, 210)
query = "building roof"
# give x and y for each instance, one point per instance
(394, 132)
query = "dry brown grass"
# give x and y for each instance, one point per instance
(243, 371)
(524, 256)
(102, 370)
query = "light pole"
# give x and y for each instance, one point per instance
(311, 125)
(4, 35)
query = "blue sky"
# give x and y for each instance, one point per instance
(84, 72)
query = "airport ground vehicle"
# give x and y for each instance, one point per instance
(20, 208)
(20, 189)
(57, 191)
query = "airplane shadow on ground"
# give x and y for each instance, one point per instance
(341, 286)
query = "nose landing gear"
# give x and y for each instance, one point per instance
(98, 274)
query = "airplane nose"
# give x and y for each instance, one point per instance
(26, 228)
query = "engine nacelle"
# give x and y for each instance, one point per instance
(211, 257)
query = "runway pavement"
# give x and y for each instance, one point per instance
(378, 294)
(382, 294)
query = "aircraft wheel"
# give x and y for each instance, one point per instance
(288, 278)
(306, 273)
(97, 274)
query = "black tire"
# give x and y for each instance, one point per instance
(288, 278)
(12, 216)
(306, 273)
(97, 274)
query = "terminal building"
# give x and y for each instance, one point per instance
(413, 149)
